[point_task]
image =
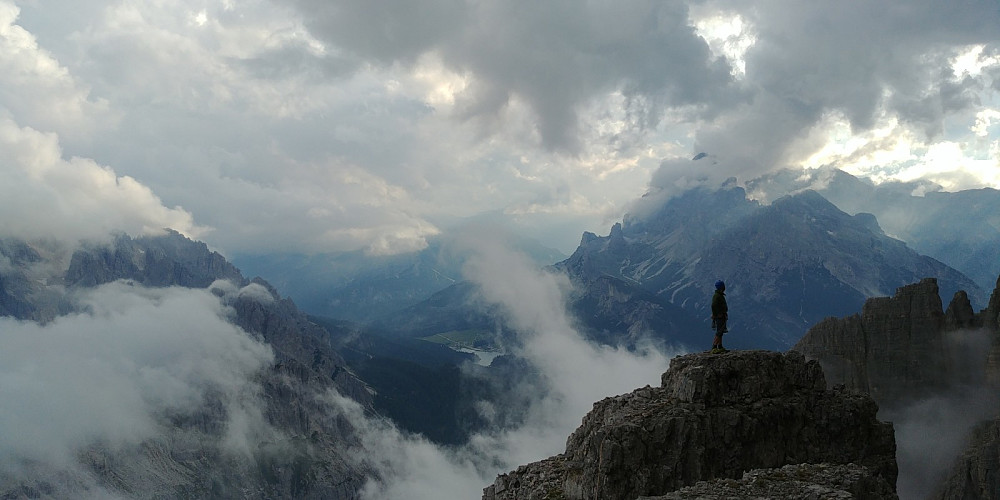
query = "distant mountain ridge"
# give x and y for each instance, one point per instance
(961, 229)
(365, 288)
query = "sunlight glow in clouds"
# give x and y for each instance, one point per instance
(45, 196)
(729, 35)
(255, 116)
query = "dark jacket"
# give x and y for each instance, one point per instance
(719, 307)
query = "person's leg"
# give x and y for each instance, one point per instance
(720, 329)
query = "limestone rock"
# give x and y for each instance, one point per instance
(792, 482)
(976, 473)
(715, 416)
(892, 350)
(166, 260)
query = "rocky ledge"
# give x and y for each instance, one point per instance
(714, 417)
(791, 482)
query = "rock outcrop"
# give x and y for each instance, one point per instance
(893, 348)
(792, 482)
(714, 417)
(905, 349)
(166, 260)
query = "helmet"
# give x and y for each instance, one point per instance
(720, 285)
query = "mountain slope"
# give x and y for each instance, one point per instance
(961, 229)
(787, 265)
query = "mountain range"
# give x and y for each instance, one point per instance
(787, 265)
(358, 286)
(961, 229)
(791, 263)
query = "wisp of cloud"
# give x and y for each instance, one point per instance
(110, 375)
(574, 373)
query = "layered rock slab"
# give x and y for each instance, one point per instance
(792, 482)
(714, 416)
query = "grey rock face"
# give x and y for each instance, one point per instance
(27, 279)
(715, 416)
(792, 482)
(976, 473)
(903, 349)
(165, 260)
(892, 350)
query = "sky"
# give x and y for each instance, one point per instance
(312, 126)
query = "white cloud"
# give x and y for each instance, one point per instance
(112, 374)
(574, 374)
(74, 198)
(44, 195)
(40, 90)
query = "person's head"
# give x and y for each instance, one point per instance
(720, 285)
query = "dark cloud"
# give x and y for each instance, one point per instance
(554, 56)
(386, 30)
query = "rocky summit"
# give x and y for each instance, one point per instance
(716, 417)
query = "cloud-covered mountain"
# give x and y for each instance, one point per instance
(152, 367)
(787, 265)
(961, 229)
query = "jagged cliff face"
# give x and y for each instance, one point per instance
(169, 260)
(714, 416)
(905, 350)
(293, 446)
(905, 347)
(974, 474)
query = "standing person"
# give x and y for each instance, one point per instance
(720, 315)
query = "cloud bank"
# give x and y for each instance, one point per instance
(44, 195)
(113, 374)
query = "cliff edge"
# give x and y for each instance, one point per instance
(713, 417)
